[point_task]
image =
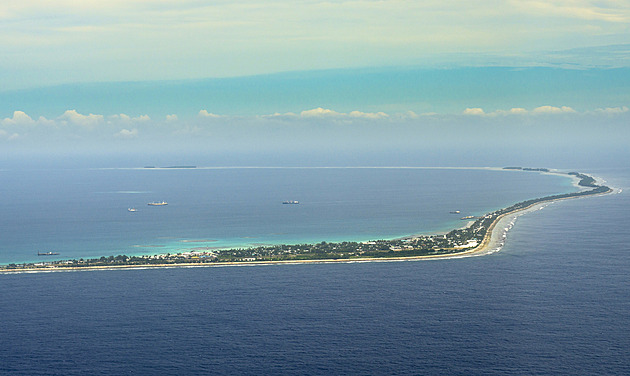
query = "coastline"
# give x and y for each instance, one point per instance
(488, 236)
(492, 242)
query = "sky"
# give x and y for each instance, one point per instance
(322, 78)
(61, 41)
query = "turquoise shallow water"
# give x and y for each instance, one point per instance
(82, 213)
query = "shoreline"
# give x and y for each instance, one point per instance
(492, 227)
(493, 241)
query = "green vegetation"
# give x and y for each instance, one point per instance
(536, 169)
(455, 241)
(186, 166)
(585, 180)
(527, 169)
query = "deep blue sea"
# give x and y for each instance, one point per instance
(554, 301)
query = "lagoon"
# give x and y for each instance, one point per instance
(83, 213)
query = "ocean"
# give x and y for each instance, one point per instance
(553, 301)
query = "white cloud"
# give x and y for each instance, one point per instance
(521, 111)
(512, 111)
(121, 117)
(406, 115)
(553, 110)
(324, 112)
(206, 114)
(126, 133)
(319, 112)
(287, 116)
(73, 117)
(368, 115)
(612, 110)
(43, 121)
(607, 11)
(517, 111)
(19, 118)
(127, 119)
(171, 117)
(474, 111)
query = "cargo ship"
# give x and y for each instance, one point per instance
(157, 203)
(47, 253)
(291, 202)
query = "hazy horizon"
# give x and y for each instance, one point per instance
(316, 83)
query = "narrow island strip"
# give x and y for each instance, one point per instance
(482, 236)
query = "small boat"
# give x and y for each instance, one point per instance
(47, 253)
(291, 202)
(158, 203)
(132, 209)
(455, 212)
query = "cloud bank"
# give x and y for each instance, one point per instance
(322, 129)
(542, 110)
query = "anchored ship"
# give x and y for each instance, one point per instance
(158, 203)
(47, 253)
(293, 202)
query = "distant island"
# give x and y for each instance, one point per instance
(473, 239)
(539, 169)
(171, 167)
